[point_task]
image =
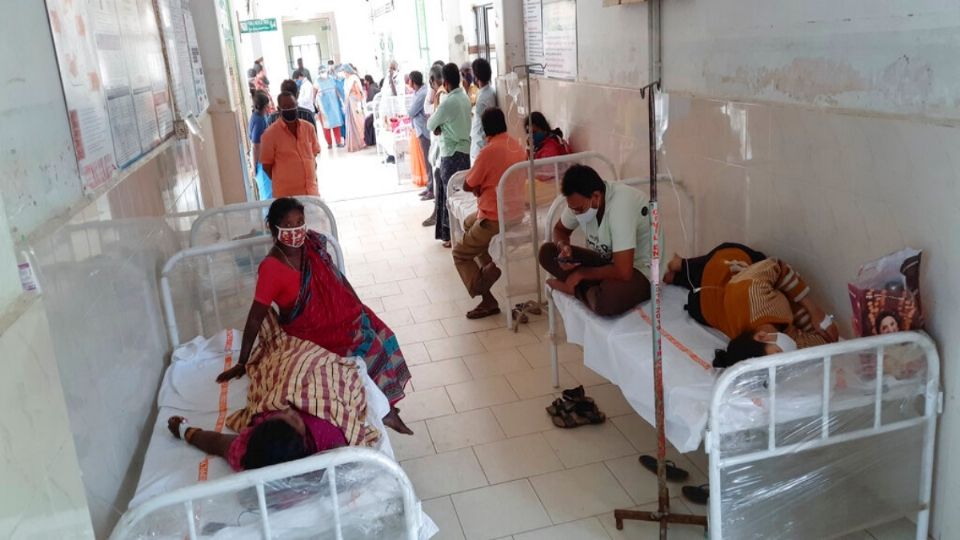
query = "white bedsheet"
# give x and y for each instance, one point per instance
(188, 389)
(620, 349)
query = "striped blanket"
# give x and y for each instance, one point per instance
(286, 371)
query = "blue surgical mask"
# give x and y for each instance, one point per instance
(299, 83)
(538, 138)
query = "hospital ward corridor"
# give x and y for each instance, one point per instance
(480, 270)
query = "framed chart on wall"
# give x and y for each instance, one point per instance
(550, 35)
(119, 99)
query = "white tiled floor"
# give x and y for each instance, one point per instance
(485, 458)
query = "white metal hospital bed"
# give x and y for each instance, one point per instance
(513, 249)
(246, 220)
(347, 493)
(809, 444)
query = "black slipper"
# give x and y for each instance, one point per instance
(674, 473)
(573, 393)
(696, 494)
(559, 405)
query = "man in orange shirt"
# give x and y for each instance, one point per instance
(500, 152)
(288, 152)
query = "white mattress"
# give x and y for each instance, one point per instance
(620, 350)
(188, 389)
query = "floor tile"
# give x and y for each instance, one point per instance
(442, 512)
(902, 528)
(641, 434)
(460, 324)
(585, 529)
(413, 446)
(538, 354)
(504, 338)
(443, 474)
(387, 274)
(488, 364)
(464, 429)
(641, 484)
(426, 404)
(450, 347)
(610, 400)
(581, 492)
(378, 290)
(588, 444)
(515, 458)
(642, 530)
(405, 300)
(436, 312)
(447, 292)
(397, 317)
(539, 382)
(434, 374)
(415, 333)
(499, 510)
(415, 354)
(481, 393)
(584, 375)
(524, 417)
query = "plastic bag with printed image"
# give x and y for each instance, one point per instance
(885, 296)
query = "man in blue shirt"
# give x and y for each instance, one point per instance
(419, 118)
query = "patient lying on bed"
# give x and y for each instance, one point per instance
(302, 400)
(761, 304)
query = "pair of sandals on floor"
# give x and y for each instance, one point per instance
(575, 409)
(695, 494)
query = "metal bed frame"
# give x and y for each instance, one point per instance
(309, 201)
(257, 479)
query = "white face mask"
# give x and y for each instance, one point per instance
(586, 217)
(785, 342)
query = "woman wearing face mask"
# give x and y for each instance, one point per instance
(317, 304)
(547, 141)
(761, 304)
(611, 275)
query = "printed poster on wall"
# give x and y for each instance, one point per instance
(199, 81)
(533, 32)
(83, 91)
(560, 38)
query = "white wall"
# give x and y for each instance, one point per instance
(823, 131)
(896, 56)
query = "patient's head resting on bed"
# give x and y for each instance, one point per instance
(753, 344)
(276, 441)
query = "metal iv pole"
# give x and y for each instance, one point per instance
(662, 514)
(525, 68)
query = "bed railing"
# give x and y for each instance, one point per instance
(318, 217)
(189, 498)
(851, 467)
(223, 285)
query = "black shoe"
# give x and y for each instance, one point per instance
(390, 160)
(430, 221)
(696, 494)
(424, 192)
(427, 197)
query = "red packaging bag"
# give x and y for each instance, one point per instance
(885, 297)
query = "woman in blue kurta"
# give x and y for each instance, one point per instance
(329, 104)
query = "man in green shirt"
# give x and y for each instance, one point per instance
(451, 122)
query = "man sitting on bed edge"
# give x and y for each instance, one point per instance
(761, 304)
(611, 276)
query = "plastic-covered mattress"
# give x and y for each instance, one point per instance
(188, 389)
(620, 349)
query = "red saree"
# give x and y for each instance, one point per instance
(329, 313)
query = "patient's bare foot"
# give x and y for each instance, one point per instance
(559, 285)
(673, 267)
(393, 421)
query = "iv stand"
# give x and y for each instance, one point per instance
(662, 514)
(525, 69)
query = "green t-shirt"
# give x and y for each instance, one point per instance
(625, 225)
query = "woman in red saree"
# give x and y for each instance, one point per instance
(317, 304)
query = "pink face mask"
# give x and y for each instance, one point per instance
(292, 237)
